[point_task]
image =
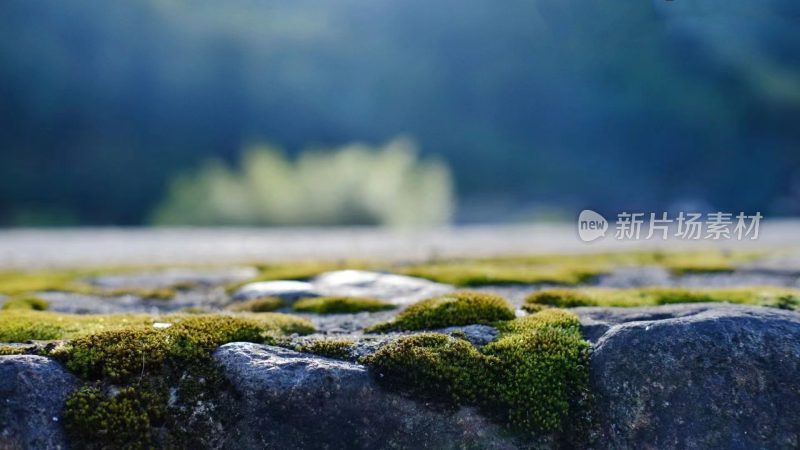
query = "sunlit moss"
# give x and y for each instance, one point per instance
(118, 354)
(457, 308)
(337, 348)
(24, 325)
(28, 282)
(12, 350)
(340, 305)
(652, 296)
(530, 377)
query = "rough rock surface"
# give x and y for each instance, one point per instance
(397, 289)
(32, 394)
(75, 303)
(697, 377)
(478, 335)
(297, 400)
(596, 321)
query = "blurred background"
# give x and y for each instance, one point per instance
(396, 113)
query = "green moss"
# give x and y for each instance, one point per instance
(157, 386)
(654, 296)
(120, 421)
(26, 302)
(329, 348)
(29, 282)
(569, 269)
(25, 325)
(457, 308)
(12, 350)
(132, 351)
(266, 304)
(340, 305)
(532, 377)
(434, 366)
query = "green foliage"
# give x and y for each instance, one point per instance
(340, 305)
(531, 377)
(27, 302)
(266, 304)
(329, 348)
(652, 296)
(354, 184)
(457, 308)
(569, 269)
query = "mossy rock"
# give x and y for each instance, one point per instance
(26, 325)
(532, 377)
(340, 305)
(457, 308)
(336, 348)
(785, 298)
(118, 354)
(157, 386)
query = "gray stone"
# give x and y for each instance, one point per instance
(32, 394)
(478, 335)
(75, 303)
(297, 400)
(698, 377)
(397, 289)
(283, 289)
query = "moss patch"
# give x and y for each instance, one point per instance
(329, 348)
(153, 386)
(12, 350)
(531, 377)
(653, 296)
(29, 282)
(340, 305)
(267, 304)
(570, 269)
(457, 308)
(25, 325)
(26, 302)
